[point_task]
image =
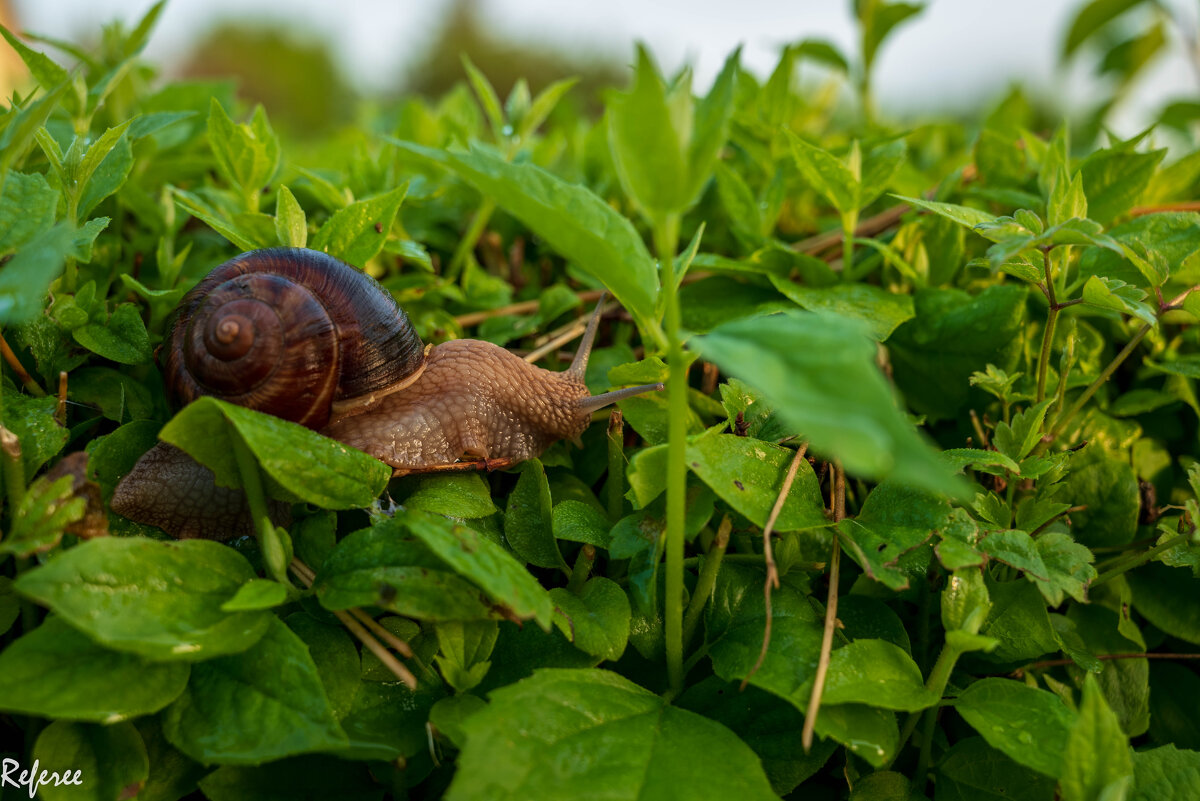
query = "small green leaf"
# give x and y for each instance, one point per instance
(596, 620)
(826, 174)
(528, 524)
(109, 760)
(883, 311)
(1030, 726)
(963, 215)
(355, 234)
(290, 222)
(465, 647)
(28, 206)
(122, 338)
(256, 594)
(1115, 294)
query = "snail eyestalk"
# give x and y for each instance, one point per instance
(596, 402)
(579, 363)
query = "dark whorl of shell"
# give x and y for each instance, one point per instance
(288, 331)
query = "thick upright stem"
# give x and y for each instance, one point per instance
(666, 236)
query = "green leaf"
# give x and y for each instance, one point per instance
(355, 234)
(27, 276)
(1068, 567)
(28, 206)
(122, 338)
(649, 143)
(307, 465)
(290, 223)
(747, 474)
(465, 648)
(1165, 774)
(465, 496)
(100, 588)
(596, 620)
(739, 201)
(1097, 762)
(247, 155)
(876, 673)
(893, 521)
(1018, 438)
(963, 215)
(56, 672)
(576, 521)
(831, 390)
(256, 706)
(1115, 294)
(107, 761)
(965, 602)
(1091, 18)
(1124, 683)
(881, 310)
(1167, 597)
(879, 167)
(878, 19)
(952, 336)
(826, 174)
(637, 745)
(542, 105)
(1028, 725)
(1108, 488)
(256, 594)
(1019, 622)
(528, 526)
(1114, 180)
(379, 566)
(487, 97)
(104, 168)
(41, 67)
(240, 235)
(336, 656)
(711, 127)
(974, 771)
(573, 220)
(483, 562)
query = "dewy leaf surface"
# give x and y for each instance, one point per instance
(158, 599)
(590, 734)
(1031, 726)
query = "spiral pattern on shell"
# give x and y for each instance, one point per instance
(288, 331)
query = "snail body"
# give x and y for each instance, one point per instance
(298, 334)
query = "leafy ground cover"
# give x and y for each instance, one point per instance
(915, 518)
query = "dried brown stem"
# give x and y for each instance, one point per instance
(772, 579)
(1048, 663)
(867, 228)
(1186, 205)
(60, 409)
(31, 386)
(351, 620)
(814, 700)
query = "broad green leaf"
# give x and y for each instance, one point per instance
(573, 220)
(27, 276)
(528, 525)
(335, 654)
(1174, 237)
(879, 167)
(1124, 683)
(1068, 567)
(1015, 549)
(355, 234)
(748, 474)
(1167, 597)
(526, 744)
(256, 706)
(1030, 726)
(831, 390)
(596, 620)
(1108, 489)
(881, 310)
(576, 521)
(1019, 622)
(483, 562)
(649, 143)
(466, 496)
(111, 760)
(1165, 773)
(875, 673)
(379, 566)
(27, 208)
(100, 588)
(56, 672)
(307, 465)
(952, 336)
(44, 70)
(894, 520)
(974, 771)
(1114, 180)
(1097, 762)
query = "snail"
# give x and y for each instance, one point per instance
(303, 336)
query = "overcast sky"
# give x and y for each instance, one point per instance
(953, 54)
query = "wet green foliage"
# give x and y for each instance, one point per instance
(991, 330)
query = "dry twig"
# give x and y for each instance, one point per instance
(814, 700)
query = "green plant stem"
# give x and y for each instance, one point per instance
(1126, 563)
(925, 755)
(467, 244)
(582, 569)
(849, 223)
(707, 579)
(939, 677)
(666, 236)
(616, 466)
(268, 539)
(1048, 331)
(1105, 374)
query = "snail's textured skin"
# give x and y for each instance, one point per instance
(474, 399)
